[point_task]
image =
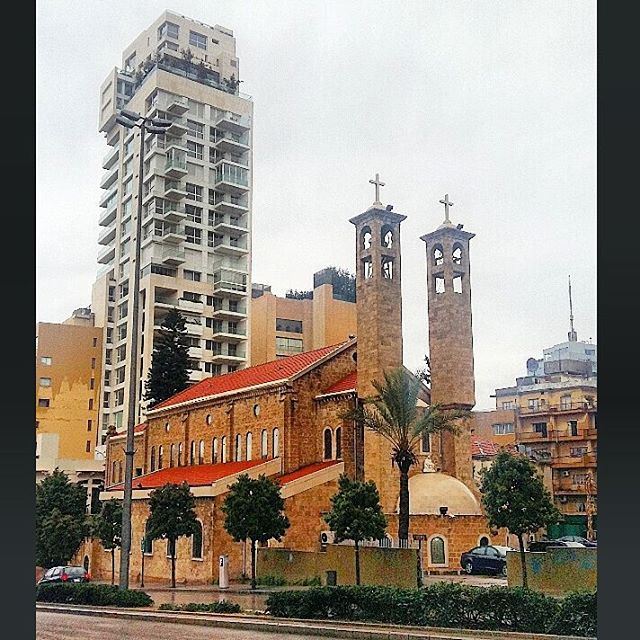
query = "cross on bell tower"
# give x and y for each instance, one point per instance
(377, 183)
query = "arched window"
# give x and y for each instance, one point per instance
(201, 452)
(456, 254)
(180, 451)
(276, 442)
(339, 443)
(387, 267)
(238, 448)
(249, 446)
(438, 255)
(196, 542)
(367, 268)
(386, 236)
(160, 457)
(223, 449)
(153, 459)
(148, 542)
(437, 551)
(192, 452)
(264, 446)
(366, 238)
(328, 437)
(214, 451)
(171, 455)
(114, 465)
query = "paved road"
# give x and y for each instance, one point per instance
(60, 626)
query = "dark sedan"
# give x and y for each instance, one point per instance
(489, 559)
(65, 574)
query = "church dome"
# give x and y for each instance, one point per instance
(430, 491)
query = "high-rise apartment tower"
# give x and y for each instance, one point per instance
(196, 204)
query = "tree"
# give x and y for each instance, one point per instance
(294, 294)
(169, 372)
(344, 284)
(424, 373)
(108, 527)
(356, 514)
(395, 416)
(61, 521)
(515, 498)
(172, 515)
(254, 510)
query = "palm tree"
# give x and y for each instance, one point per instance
(393, 414)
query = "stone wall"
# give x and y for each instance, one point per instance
(556, 571)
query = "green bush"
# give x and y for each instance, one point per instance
(105, 595)
(207, 607)
(271, 581)
(443, 604)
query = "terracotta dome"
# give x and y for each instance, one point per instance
(430, 491)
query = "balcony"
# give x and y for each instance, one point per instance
(229, 336)
(108, 216)
(194, 329)
(109, 178)
(173, 257)
(233, 123)
(535, 436)
(175, 144)
(175, 166)
(231, 283)
(225, 314)
(195, 353)
(107, 255)
(230, 247)
(197, 375)
(190, 306)
(223, 358)
(230, 143)
(231, 178)
(110, 157)
(174, 190)
(178, 127)
(177, 105)
(227, 206)
(173, 235)
(174, 212)
(235, 228)
(563, 407)
(109, 197)
(107, 236)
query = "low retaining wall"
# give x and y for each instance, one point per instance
(378, 565)
(556, 571)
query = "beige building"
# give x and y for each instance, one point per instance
(196, 204)
(68, 367)
(284, 326)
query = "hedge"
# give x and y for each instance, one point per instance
(90, 593)
(444, 604)
(209, 607)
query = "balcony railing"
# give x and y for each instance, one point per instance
(553, 408)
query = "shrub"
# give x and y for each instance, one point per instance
(207, 607)
(443, 604)
(104, 595)
(271, 581)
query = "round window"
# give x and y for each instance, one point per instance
(256, 410)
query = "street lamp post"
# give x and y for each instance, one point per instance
(130, 119)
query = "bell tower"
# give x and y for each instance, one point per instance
(379, 309)
(451, 337)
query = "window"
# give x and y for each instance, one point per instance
(195, 150)
(214, 451)
(276, 442)
(509, 405)
(192, 452)
(541, 428)
(192, 275)
(502, 428)
(249, 446)
(201, 452)
(238, 448)
(223, 449)
(180, 451)
(89, 425)
(328, 441)
(171, 455)
(339, 443)
(90, 404)
(193, 235)
(45, 382)
(48, 360)
(287, 346)
(120, 373)
(152, 461)
(43, 403)
(194, 192)
(366, 238)
(160, 457)
(573, 427)
(194, 214)
(437, 553)
(425, 443)
(438, 256)
(439, 284)
(457, 284)
(367, 268)
(456, 256)
(119, 397)
(578, 452)
(533, 404)
(196, 130)
(565, 402)
(196, 542)
(290, 326)
(387, 268)
(197, 40)
(264, 448)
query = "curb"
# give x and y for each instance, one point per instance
(355, 630)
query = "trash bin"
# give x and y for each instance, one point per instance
(332, 578)
(223, 576)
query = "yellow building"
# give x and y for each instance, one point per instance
(68, 365)
(284, 326)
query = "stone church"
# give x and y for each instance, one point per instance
(284, 419)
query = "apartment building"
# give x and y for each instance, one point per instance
(68, 367)
(196, 204)
(283, 326)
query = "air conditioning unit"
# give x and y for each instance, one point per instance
(327, 537)
(566, 474)
(563, 499)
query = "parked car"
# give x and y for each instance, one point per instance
(580, 540)
(543, 545)
(65, 574)
(490, 559)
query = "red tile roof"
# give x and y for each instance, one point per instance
(305, 471)
(197, 475)
(139, 428)
(487, 447)
(348, 383)
(261, 374)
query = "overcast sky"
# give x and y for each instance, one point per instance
(492, 102)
